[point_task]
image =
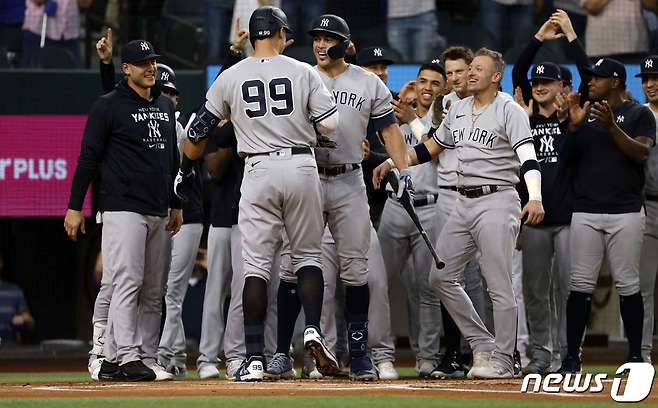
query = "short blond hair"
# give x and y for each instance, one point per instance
(496, 57)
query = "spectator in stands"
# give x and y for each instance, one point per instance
(12, 14)
(62, 28)
(413, 29)
(14, 314)
(615, 28)
(301, 14)
(218, 14)
(507, 23)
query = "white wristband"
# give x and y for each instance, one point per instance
(417, 129)
(533, 182)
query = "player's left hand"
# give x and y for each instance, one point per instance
(602, 112)
(405, 184)
(365, 146)
(175, 221)
(518, 97)
(535, 212)
(403, 111)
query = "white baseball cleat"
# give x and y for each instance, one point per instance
(207, 371)
(232, 368)
(480, 360)
(326, 362)
(387, 371)
(252, 369)
(94, 368)
(161, 373)
(492, 369)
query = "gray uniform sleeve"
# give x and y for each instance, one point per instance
(321, 104)
(443, 135)
(517, 125)
(215, 98)
(381, 113)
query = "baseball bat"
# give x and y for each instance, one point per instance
(409, 208)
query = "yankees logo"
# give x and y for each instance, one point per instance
(620, 119)
(164, 76)
(144, 45)
(546, 144)
(599, 62)
(154, 129)
(648, 64)
(540, 69)
(324, 22)
(377, 52)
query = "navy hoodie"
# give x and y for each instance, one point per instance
(133, 140)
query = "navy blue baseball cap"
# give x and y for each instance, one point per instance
(608, 68)
(649, 66)
(546, 71)
(375, 55)
(137, 50)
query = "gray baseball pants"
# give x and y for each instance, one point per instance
(490, 224)
(185, 246)
(137, 249)
(400, 242)
(546, 266)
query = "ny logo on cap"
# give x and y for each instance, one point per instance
(648, 63)
(144, 45)
(620, 119)
(377, 52)
(436, 61)
(540, 69)
(164, 76)
(324, 22)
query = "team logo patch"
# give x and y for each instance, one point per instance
(648, 63)
(377, 52)
(539, 70)
(144, 45)
(164, 76)
(324, 22)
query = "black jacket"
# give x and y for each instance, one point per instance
(133, 141)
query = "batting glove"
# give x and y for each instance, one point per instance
(183, 185)
(405, 184)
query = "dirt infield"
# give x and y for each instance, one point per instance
(497, 389)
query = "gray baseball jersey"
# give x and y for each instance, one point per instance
(360, 96)
(261, 103)
(486, 141)
(447, 163)
(424, 175)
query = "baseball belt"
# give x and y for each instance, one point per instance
(337, 170)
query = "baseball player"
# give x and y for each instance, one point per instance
(137, 167)
(649, 258)
(400, 239)
(491, 135)
(546, 245)
(165, 82)
(275, 103)
(456, 61)
(360, 97)
(607, 211)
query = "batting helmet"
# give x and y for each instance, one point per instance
(336, 27)
(166, 77)
(265, 21)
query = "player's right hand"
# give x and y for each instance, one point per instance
(104, 47)
(535, 212)
(73, 221)
(379, 174)
(518, 97)
(577, 114)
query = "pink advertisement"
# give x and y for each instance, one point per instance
(38, 155)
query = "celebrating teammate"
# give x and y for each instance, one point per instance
(491, 135)
(607, 212)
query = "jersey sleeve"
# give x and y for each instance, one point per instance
(517, 125)
(646, 124)
(381, 112)
(216, 97)
(443, 135)
(321, 104)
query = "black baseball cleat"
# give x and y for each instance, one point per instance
(450, 366)
(109, 372)
(517, 365)
(136, 371)
(570, 365)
